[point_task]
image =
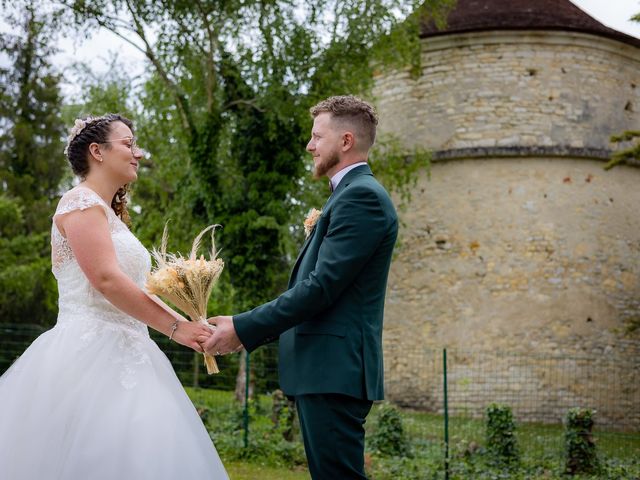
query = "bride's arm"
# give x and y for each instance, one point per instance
(166, 307)
(90, 240)
(159, 301)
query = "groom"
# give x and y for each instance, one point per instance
(329, 321)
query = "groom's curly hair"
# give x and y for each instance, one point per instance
(97, 131)
(352, 111)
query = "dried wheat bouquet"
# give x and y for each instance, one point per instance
(187, 282)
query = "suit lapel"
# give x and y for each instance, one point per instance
(348, 178)
(305, 245)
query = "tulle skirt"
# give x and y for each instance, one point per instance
(99, 404)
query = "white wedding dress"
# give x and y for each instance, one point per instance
(94, 398)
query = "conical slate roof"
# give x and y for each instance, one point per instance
(483, 15)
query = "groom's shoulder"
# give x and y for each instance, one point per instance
(368, 186)
(370, 181)
(365, 184)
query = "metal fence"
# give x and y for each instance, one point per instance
(539, 388)
(431, 392)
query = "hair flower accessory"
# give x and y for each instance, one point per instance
(78, 126)
(311, 220)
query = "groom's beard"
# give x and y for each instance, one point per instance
(321, 169)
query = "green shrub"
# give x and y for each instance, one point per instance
(389, 437)
(283, 414)
(580, 446)
(266, 447)
(267, 444)
(500, 435)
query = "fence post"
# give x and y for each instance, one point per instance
(446, 416)
(246, 402)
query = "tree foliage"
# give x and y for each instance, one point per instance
(31, 167)
(224, 113)
(31, 161)
(629, 152)
(224, 117)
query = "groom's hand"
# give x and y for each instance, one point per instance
(224, 339)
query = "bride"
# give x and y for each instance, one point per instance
(94, 398)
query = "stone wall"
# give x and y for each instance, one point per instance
(525, 260)
(526, 88)
(538, 258)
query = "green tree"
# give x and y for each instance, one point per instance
(226, 109)
(98, 93)
(31, 161)
(31, 167)
(224, 116)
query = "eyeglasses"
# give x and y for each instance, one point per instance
(134, 145)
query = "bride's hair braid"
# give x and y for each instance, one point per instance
(119, 204)
(90, 130)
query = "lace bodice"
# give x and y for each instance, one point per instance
(80, 305)
(79, 198)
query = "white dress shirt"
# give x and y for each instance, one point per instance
(337, 178)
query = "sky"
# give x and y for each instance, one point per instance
(613, 13)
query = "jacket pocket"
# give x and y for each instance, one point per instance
(321, 328)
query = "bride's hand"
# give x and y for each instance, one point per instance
(192, 334)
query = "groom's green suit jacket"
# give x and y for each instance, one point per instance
(329, 321)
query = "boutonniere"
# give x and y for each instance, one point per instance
(311, 220)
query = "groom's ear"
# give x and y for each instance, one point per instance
(348, 141)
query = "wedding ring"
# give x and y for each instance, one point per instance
(217, 352)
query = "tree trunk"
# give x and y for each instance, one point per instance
(241, 379)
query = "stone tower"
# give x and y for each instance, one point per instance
(519, 242)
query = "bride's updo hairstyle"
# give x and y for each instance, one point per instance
(90, 130)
